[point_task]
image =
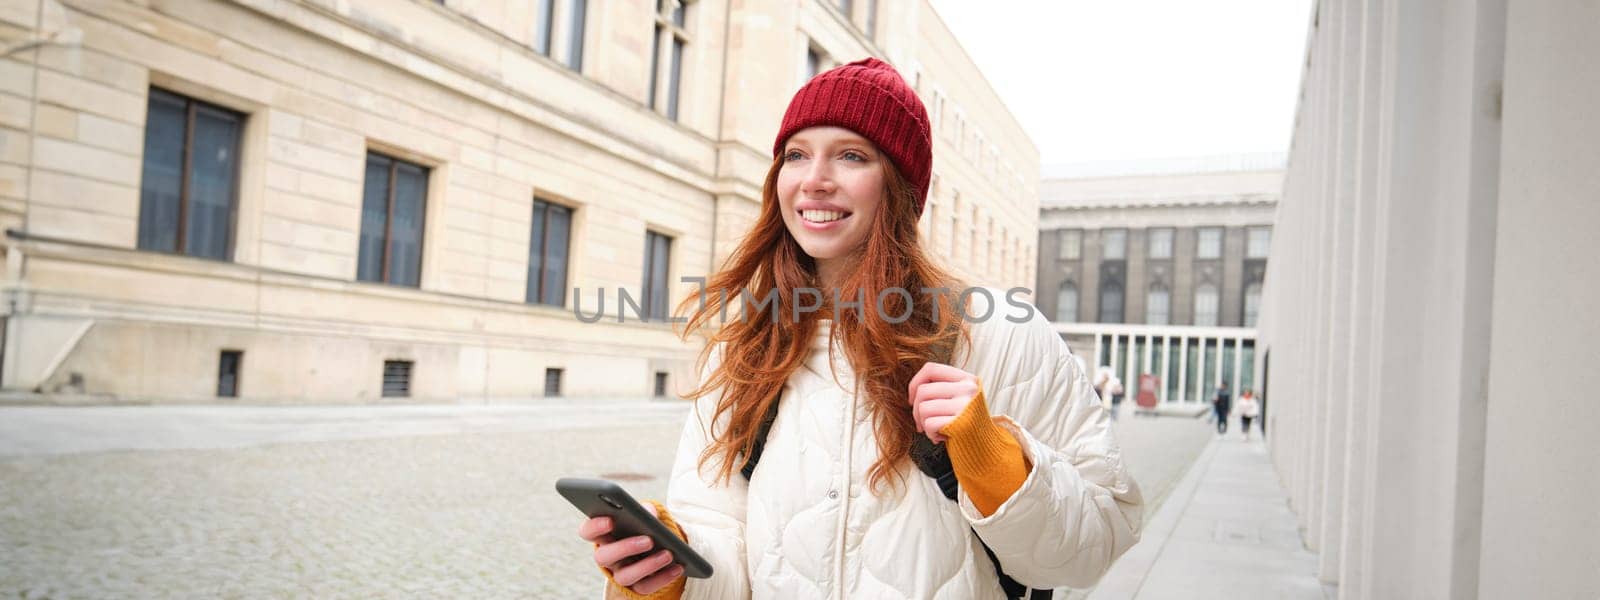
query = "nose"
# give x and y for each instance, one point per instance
(818, 179)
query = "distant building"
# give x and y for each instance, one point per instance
(1156, 267)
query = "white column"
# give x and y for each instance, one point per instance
(1183, 369)
(1200, 370)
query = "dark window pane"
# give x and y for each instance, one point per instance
(655, 66)
(658, 278)
(1259, 242)
(575, 35)
(676, 77)
(374, 218)
(1160, 242)
(677, 14)
(1111, 304)
(185, 138)
(655, 284)
(555, 255)
(536, 251)
(1210, 243)
(1157, 306)
(213, 167)
(1071, 245)
(645, 285)
(1252, 304)
(1116, 244)
(1205, 305)
(544, 11)
(405, 226)
(163, 172)
(872, 19)
(661, 384)
(1067, 303)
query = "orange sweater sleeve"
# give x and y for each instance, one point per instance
(673, 591)
(988, 461)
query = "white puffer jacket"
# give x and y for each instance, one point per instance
(806, 526)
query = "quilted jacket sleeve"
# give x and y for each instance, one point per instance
(1078, 509)
(712, 515)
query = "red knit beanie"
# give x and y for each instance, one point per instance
(870, 98)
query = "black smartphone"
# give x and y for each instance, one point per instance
(601, 498)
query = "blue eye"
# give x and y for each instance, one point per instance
(793, 155)
(853, 155)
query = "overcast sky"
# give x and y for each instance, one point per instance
(1134, 79)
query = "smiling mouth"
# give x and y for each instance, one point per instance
(823, 216)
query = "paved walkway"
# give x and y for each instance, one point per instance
(1226, 532)
(390, 502)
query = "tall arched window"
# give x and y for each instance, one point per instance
(1205, 305)
(1252, 304)
(1067, 303)
(1111, 302)
(1158, 305)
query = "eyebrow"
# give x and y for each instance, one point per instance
(857, 141)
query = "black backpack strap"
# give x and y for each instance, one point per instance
(760, 444)
(934, 461)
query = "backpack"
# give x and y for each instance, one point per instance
(934, 461)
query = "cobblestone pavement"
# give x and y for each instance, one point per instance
(419, 516)
(422, 515)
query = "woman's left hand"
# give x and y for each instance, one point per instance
(938, 394)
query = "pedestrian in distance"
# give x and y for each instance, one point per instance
(1117, 393)
(1249, 409)
(806, 468)
(1102, 386)
(1221, 405)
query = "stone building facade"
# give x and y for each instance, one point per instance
(1428, 315)
(365, 200)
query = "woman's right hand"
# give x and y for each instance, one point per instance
(629, 560)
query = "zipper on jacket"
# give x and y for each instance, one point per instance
(843, 489)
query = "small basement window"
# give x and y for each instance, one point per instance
(396, 378)
(661, 384)
(552, 382)
(228, 373)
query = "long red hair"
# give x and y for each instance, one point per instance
(760, 353)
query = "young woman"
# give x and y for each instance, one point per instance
(835, 507)
(1249, 409)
